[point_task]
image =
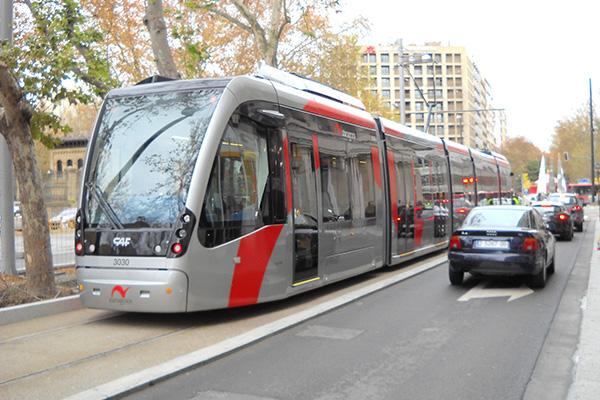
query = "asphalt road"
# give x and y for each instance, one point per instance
(413, 340)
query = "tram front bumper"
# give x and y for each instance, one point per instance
(155, 291)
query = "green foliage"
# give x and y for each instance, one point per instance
(56, 59)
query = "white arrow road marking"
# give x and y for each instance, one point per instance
(481, 292)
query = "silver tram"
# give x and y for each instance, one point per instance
(217, 193)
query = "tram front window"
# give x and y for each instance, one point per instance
(143, 157)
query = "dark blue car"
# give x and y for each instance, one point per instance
(502, 240)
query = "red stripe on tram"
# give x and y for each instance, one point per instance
(393, 190)
(288, 174)
(316, 107)
(315, 141)
(419, 224)
(376, 165)
(254, 254)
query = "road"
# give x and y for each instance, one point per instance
(413, 339)
(418, 339)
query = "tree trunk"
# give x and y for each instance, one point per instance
(14, 125)
(155, 22)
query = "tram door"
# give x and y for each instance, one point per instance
(305, 203)
(406, 210)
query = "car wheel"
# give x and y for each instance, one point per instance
(580, 227)
(551, 266)
(570, 236)
(456, 276)
(539, 280)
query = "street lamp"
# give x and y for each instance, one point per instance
(415, 58)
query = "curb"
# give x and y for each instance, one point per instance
(38, 309)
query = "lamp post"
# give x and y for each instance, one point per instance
(592, 147)
(418, 58)
(7, 223)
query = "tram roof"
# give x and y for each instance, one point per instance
(177, 85)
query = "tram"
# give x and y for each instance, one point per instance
(217, 193)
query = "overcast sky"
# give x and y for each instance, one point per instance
(537, 55)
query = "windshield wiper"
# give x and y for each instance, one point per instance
(103, 204)
(187, 112)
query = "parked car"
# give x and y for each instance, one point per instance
(502, 240)
(557, 218)
(573, 204)
(63, 220)
(18, 216)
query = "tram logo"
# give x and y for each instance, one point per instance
(119, 289)
(121, 241)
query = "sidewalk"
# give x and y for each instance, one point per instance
(586, 385)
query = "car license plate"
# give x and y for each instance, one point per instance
(491, 244)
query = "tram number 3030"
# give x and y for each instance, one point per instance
(121, 262)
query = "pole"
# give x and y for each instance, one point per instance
(7, 223)
(6, 13)
(402, 99)
(592, 141)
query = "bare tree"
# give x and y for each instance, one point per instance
(155, 22)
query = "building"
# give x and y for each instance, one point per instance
(62, 180)
(443, 77)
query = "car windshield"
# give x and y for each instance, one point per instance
(143, 156)
(568, 200)
(497, 218)
(547, 210)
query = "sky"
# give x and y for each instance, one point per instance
(538, 56)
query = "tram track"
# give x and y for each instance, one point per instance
(87, 348)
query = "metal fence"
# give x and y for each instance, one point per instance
(61, 194)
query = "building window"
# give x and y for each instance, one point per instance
(418, 70)
(448, 58)
(374, 92)
(458, 81)
(419, 82)
(459, 93)
(385, 58)
(458, 70)
(372, 58)
(59, 167)
(430, 70)
(397, 93)
(419, 106)
(69, 163)
(365, 58)
(420, 117)
(385, 70)
(457, 58)
(385, 82)
(438, 69)
(437, 58)
(373, 70)
(450, 93)
(79, 163)
(385, 94)
(449, 70)
(450, 82)
(397, 82)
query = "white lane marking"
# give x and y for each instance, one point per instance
(329, 332)
(482, 292)
(130, 383)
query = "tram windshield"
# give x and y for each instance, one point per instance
(143, 157)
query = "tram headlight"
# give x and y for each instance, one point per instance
(186, 218)
(181, 233)
(79, 248)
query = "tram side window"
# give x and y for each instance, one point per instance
(335, 188)
(363, 205)
(239, 179)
